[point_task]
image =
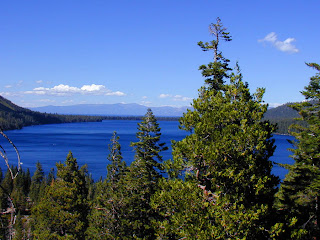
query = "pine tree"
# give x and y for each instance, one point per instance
(300, 191)
(20, 231)
(148, 147)
(117, 168)
(27, 182)
(62, 211)
(228, 150)
(215, 72)
(181, 209)
(142, 178)
(50, 177)
(20, 189)
(37, 185)
(108, 206)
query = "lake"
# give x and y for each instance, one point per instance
(89, 141)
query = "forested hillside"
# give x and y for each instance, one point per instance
(283, 116)
(15, 117)
(281, 112)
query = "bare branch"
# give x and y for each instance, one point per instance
(11, 209)
(4, 156)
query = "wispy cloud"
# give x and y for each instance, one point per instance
(10, 94)
(18, 84)
(47, 100)
(66, 90)
(284, 46)
(273, 105)
(145, 103)
(181, 98)
(164, 95)
(175, 97)
(68, 101)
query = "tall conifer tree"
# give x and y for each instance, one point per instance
(142, 178)
(37, 183)
(300, 191)
(62, 211)
(228, 151)
(109, 203)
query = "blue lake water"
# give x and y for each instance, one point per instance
(88, 142)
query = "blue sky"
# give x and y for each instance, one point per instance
(67, 52)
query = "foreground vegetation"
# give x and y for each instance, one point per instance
(218, 185)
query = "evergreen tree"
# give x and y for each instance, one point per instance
(62, 211)
(182, 212)
(20, 189)
(51, 177)
(142, 179)
(1, 174)
(117, 168)
(215, 72)
(19, 230)
(37, 183)
(228, 151)
(108, 207)
(27, 182)
(148, 147)
(300, 191)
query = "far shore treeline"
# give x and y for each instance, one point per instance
(15, 117)
(218, 185)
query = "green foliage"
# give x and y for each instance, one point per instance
(299, 193)
(14, 191)
(215, 72)
(62, 211)
(220, 184)
(142, 178)
(37, 184)
(19, 228)
(283, 117)
(148, 147)
(17, 189)
(228, 151)
(117, 168)
(109, 203)
(182, 211)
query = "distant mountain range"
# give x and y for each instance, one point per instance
(117, 109)
(133, 109)
(15, 117)
(283, 116)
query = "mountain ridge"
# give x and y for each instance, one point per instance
(116, 109)
(13, 116)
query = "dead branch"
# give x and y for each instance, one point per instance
(11, 209)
